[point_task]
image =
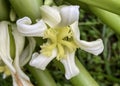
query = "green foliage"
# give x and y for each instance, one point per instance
(5, 82)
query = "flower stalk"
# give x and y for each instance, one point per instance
(111, 19)
(112, 5)
(43, 78)
(83, 78)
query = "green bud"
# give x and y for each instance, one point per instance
(28, 8)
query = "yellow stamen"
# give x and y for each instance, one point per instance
(60, 38)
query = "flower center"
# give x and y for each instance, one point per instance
(59, 38)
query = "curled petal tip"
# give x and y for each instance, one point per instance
(50, 15)
(94, 47)
(40, 61)
(69, 14)
(71, 69)
(26, 28)
(25, 20)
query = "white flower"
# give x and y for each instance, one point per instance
(60, 27)
(12, 66)
(5, 45)
(20, 78)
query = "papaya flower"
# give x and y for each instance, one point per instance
(12, 66)
(59, 26)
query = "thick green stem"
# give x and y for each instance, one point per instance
(83, 78)
(4, 10)
(108, 18)
(28, 8)
(43, 78)
(111, 5)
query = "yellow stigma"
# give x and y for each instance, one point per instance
(59, 38)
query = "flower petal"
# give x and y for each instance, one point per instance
(76, 33)
(25, 28)
(94, 47)
(19, 40)
(41, 61)
(71, 69)
(69, 14)
(50, 15)
(5, 45)
(20, 81)
(27, 52)
(19, 78)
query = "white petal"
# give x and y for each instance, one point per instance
(4, 38)
(94, 47)
(19, 81)
(27, 52)
(71, 69)
(76, 33)
(19, 39)
(41, 61)
(5, 45)
(69, 14)
(24, 27)
(50, 15)
(19, 78)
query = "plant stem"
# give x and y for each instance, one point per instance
(112, 5)
(43, 78)
(84, 78)
(108, 18)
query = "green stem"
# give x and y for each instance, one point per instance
(111, 5)
(43, 78)
(84, 78)
(4, 10)
(108, 18)
(28, 8)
